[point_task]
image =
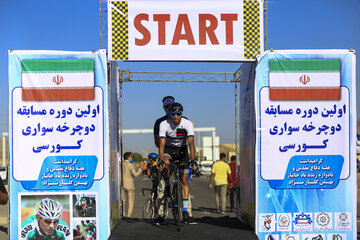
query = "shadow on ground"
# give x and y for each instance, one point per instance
(3, 229)
(206, 228)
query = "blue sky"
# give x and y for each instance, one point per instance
(74, 26)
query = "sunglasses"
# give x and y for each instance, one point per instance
(173, 114)
(48, 222)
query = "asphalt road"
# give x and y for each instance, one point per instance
(210, 224)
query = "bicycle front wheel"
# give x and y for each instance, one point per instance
(148, 209)
(177, 204)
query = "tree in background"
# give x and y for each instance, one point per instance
(137, 157)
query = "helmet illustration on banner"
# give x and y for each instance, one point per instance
(50, 209)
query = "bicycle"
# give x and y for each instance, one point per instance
(176, 203)
(151, 206)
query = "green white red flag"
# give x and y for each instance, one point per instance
(304, 79)
(58, 80)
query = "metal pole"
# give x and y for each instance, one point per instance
(236, 138)
(266, 28)
(213, 145)
(121, 152)
(4, 147)
(100, 24)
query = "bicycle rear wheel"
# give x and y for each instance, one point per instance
(148, 209)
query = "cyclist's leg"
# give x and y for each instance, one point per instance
(189, 205)
(185, 186)
(160, 200)
(169, 154)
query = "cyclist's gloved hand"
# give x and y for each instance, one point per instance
(161, 165)
(193, 165)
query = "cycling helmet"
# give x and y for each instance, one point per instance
(176, 107)
(50, 209)
(153, 156)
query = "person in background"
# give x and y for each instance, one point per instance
(129, 173)
(220, 173)
(235, 188)
(4, 197)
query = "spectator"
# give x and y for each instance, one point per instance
(77, 234)
(220, 173)
(235, 188)
(4, 197)
(129, 173)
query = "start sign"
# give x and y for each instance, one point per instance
(185, 30)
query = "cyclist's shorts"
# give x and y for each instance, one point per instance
(178, 153)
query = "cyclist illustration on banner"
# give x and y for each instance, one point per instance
(46, 223)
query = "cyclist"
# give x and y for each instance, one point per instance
(154, 173)
(166, 103)
(176, 134)
(46, 223)
(90, 230)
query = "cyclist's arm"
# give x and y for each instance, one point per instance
(161, 148)
(156, 140)
(192, 147)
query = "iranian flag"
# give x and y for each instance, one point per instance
(304, 79)
(58, 80)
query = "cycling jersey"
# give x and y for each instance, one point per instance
(157, 124)
(176, 136)
(83, 202)
(30, 231)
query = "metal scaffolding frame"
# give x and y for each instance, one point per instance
(103, 28)
(125, 75)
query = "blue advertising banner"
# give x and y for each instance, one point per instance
(305, 104)
(58, 144)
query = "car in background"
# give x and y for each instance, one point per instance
(205, 167)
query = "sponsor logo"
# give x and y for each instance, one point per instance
(343, 221)
(267, 221)
(58, 79)
(323, 219)
(290, 237)
(313, 237)
(304, 79)
(284, 221)
(302, 219)
(303, 222)
(337, 237)
(272, 237)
